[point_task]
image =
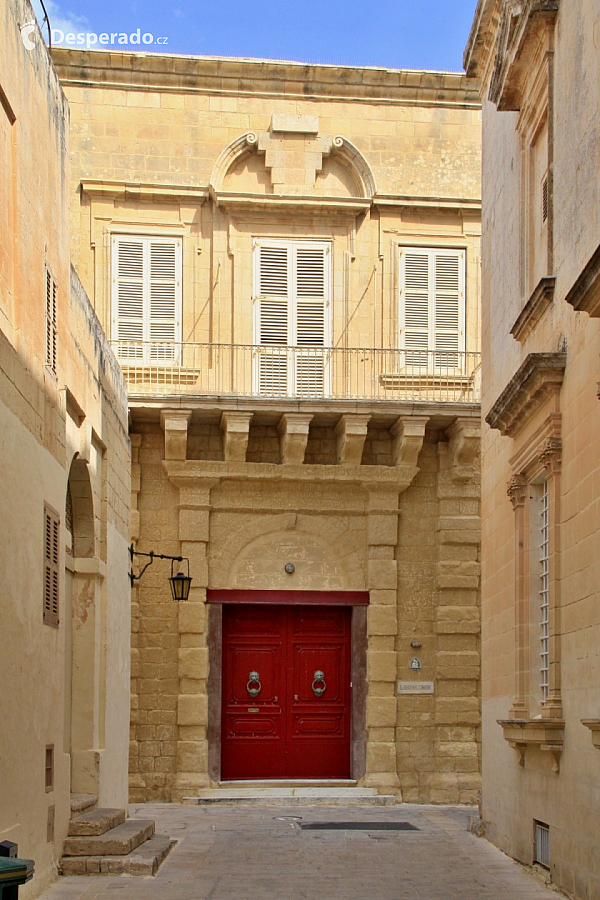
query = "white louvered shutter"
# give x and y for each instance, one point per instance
(447, 304)
(311, 297)
(163, 289)
(128, 296)
(415, 303)
(432, 307)
(273, 308)
(146, 316)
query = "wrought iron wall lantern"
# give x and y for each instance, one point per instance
(180, 582)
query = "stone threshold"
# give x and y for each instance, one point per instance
(292, 795)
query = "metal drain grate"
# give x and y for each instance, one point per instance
(358, 826)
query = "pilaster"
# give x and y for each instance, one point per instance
(457, 623)
(192, 671)
(517, 491)
(382, 628)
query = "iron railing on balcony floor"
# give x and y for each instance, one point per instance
(278, 372)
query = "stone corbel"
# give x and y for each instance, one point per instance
(175, 425)
(465, 438)
(594, 726)
(351, 431)
(236, 429)
(293, 436)
(408, 433)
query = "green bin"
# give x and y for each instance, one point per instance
(14, 872)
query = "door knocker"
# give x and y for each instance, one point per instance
(253, 678)
(319, 679)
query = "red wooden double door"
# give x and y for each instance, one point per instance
(286, 692)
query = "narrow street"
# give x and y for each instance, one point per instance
(258, 852)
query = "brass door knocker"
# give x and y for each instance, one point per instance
(254, 679)
(319, 679)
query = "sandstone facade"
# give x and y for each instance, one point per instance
(350, 461)
(538, 62)
(65, 497)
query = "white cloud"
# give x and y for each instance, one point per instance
(65, 21)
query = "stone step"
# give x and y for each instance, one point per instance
(118, 841)
(291, 783)
(81, 802)
(289, 796)
(96, 821)
(144, 860)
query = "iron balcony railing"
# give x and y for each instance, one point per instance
(314, 373)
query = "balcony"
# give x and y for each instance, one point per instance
(274, 372)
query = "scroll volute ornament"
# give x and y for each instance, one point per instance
(517, 490)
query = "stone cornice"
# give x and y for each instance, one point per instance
(541, 298)
(536, 379)
(584, 296)
(519, 27)
(479, 38)
(264, 78)
(395, 478)
(137, 190)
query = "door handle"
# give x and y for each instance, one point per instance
(319, 678)
(254, 679)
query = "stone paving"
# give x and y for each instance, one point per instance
(255, 852)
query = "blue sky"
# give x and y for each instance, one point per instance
(412, 34)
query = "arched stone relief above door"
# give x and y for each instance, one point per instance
(295, 162)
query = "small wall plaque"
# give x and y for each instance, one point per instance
(415, 687)
(415, 663)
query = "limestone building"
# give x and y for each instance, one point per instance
(65, 485)
(286, 260)
(540, 70)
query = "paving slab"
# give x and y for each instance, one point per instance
(260, 852)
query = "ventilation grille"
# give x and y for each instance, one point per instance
(545, 200)
(542, 844)
(51, 321)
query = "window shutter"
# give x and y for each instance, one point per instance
(292, 280)
(128, 316)
(415, 294)
(310, 319)
(51, 321)
(51, 562)
(163, 289)
(273, 318)
(432, 307)
(448, 296)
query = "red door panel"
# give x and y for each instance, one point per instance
(298, 723)
(253, 725)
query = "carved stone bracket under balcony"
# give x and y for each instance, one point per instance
(537, 380)
(236, 430)
(408, 433)
(175, 423)
(594, 726)
(545, 734)
(465, 439)
(351, 431)
(293, 437)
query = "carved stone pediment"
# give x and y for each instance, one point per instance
(540, 376)
(523, 24)
(293, 163)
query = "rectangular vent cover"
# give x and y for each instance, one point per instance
(542, 844)
(358, 826)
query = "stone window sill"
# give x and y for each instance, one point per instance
(545, 734)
